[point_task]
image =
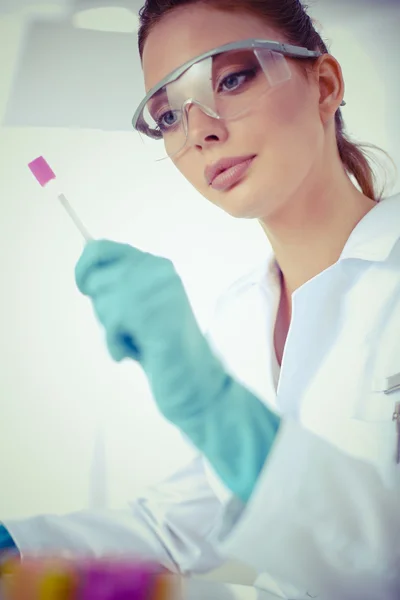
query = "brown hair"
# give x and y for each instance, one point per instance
(290, 17)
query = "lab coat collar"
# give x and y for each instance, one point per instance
(372, 239)
(267, 274)
(375, 236)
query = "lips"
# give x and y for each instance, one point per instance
(212, 171)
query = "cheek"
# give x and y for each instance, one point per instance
(286, 135)
(191, 165)
(291, 135)
(290, 113)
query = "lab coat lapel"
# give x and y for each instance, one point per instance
(242, 334)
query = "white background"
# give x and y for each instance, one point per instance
(56, 380)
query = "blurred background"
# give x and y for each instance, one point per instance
(70, 80)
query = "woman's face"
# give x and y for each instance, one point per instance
(284, 130)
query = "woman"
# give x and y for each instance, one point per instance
(308, 498)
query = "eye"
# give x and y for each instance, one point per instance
(235, 80)
(167, 120)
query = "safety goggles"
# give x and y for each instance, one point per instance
(225, 83)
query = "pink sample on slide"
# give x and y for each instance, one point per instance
(41, 171)
(43, 174)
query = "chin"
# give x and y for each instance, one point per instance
(240, 202)
(241, 210)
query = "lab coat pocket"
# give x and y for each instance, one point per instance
(376, 420)
(377, 407)
(379, 403)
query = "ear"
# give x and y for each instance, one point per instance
(329, 78)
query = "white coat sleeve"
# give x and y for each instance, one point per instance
(170, 525)
(321, 519)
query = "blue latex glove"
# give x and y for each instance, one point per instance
(141, 303)
(6, 542)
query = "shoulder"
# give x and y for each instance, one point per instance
(390, 208)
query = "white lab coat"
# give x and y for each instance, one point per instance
(324, 518)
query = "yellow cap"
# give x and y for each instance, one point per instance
(57, 585)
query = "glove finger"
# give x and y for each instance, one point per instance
(107, 308)
(155, 281)
(101, 254)
(122, 345)
(102, 281)
(119, 323)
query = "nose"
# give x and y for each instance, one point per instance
(204, 130)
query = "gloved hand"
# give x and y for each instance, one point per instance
(141, 302)
(7, 544)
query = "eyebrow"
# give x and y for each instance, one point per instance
(156, 97)
(160, 92)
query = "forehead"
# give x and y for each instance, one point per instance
(191, 30)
